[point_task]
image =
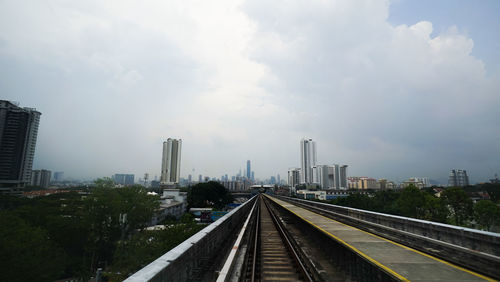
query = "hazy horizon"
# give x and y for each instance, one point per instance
(393, 89)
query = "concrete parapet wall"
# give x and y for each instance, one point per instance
(482, 241)
(183, 261)
(476, 249)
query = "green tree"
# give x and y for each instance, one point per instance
(435, 209)
(113, 214)
(384, 200)
(146, 246)
(356, 200)
(411, 202)
(493, 190)
(27, 252)
(486, 214)
(459, 203)
(209, 194)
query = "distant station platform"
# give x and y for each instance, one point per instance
(399, 261)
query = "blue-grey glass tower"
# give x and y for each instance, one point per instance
(249, 171)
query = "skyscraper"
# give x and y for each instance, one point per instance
(171, 162)
(307, 159)
(41, 178)
(18, 133)
(58, 176)
(293, 177)
(458, 178)
(330, 176)
(249, 171)
(124, 179)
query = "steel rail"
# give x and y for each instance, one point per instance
(288, 244)
(256, 240)
(228, 265)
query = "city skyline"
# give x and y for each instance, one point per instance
(394, 89)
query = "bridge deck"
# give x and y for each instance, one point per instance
(400, 261)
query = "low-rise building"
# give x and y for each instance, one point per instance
(172, 203)
(385, 184)
(413, 181)
(311, 195)
(362, 183)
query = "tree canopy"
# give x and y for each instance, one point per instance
(209, 194)
(76, 232)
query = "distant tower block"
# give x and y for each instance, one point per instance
(171, 162)
(249, 171)
(307, 159)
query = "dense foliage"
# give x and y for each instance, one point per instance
(69, 234)
(454, 206)
(144, 247)
(209, 194)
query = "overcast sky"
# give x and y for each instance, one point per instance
(393, 89)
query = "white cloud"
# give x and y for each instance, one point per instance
(244, 80)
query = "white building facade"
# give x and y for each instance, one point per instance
(330, 176)
(171, 162)
(307, 160)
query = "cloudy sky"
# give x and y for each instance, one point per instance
(392, 88)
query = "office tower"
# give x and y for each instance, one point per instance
(18, 133)
(249, 171)
(272, 180)
(307, 159)
(293, 177)
(253, 176)
(458, 178)
(41, 178)
(200, 178)
(171, 161)
(190, 178)
(124, 179)
(58, 176)
(343, 177)
(278, 179)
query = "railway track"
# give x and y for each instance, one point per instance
(273, 256)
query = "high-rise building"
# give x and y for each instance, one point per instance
(40, 178)
(458, 178)
(307, 159)
(330, 176)
(171, 161)
(343, 176)
(249, 171)
(58, 176)
(124, 179)
(293, 177)
(18, 133)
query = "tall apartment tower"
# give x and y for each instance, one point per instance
(249, 171)
(41, 178)
(330, 176)
(293, 177)
(18, 133)
(171, 162)
(458, 178)
(307, 160)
